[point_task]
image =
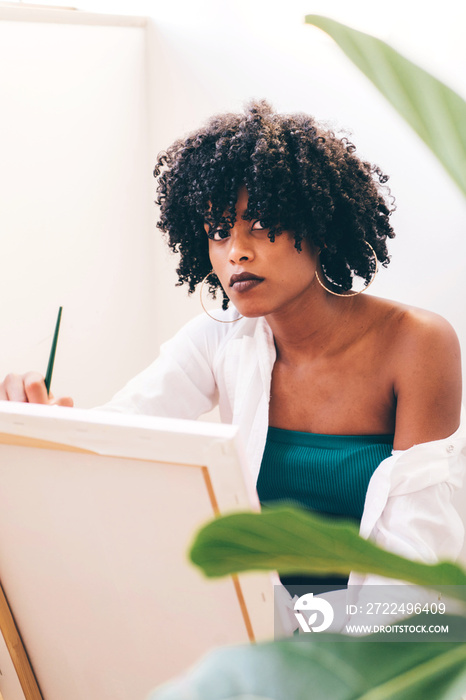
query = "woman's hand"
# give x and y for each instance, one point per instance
(29, 388)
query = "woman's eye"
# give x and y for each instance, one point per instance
(257, 226)
(218, 235)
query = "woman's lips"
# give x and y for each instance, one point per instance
(245, 281)
(246, 285)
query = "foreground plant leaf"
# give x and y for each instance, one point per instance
(435, 111)
(323, 667)
(293, 540)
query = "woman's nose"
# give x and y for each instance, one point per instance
(240, 247)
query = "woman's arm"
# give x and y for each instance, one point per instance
(408, 508)
(427, 379)
(179, 384)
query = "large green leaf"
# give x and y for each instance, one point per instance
(292, 540)
(321, 667)
(436, 113)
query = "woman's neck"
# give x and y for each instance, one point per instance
(313, 327)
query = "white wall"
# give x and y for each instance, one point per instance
(75, 219)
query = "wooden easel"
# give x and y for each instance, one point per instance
(17, 652)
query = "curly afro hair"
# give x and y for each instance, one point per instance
(299, 176)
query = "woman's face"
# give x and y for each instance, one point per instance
(258, 276)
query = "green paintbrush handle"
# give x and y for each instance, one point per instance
(48, 374)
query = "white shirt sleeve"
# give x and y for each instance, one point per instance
(409, 509)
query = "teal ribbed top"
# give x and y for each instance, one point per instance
(326, 473)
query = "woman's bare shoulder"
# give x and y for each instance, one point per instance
(410, 324)
(423, 352)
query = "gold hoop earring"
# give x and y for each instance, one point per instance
(352, 294)
(204, 308)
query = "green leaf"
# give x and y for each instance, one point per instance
(321, 667)
(293, 540)
(435, 111)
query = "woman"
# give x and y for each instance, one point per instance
(278, 215)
